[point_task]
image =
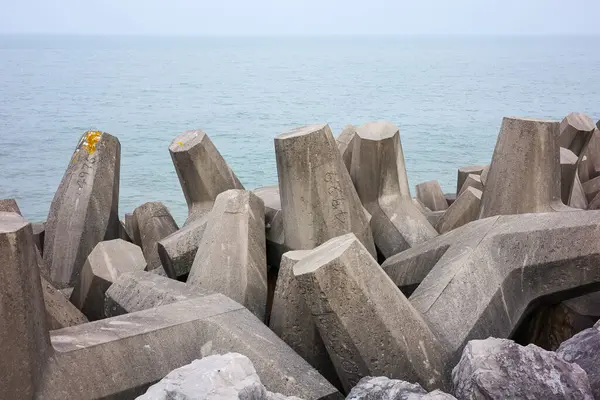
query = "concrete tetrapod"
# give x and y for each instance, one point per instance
(430, 193)
(345, 142)
(463, 172)
(379, 176)
(482, 279)
(464, 210)
(231, 257)
(473, 181)
(575, 132)
(273, 224)
(105, 263)
(203, 173)
(368, 326)
(60, 312)
(524, 175)
(152, 222)
(94, 360)
(318, 199)
(84, 210)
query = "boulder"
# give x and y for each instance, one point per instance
(60, 312)
(464, 210)
(524, 175)
(383, 388)
(430, 193)
(231, 257)
(84, 210)
(345, 142)
(583, 349)
(203, 173)
(575, 132)
(318, 199)
(152, 222)
(105, 263)
(473, 181)
(368, 326)
(379, 176)
(466, 171)
(501, 369)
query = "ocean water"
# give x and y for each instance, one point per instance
(447, 95)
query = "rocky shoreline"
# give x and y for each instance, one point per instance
(334, 282)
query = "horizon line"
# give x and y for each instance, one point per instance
(296, 35)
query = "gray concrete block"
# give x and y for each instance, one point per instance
(270, 196)
(484, 174)
(203, 173)
(129, 229)
(273, 224)
(463, 172)
(9, 205)
(84, 210)
(39, 230)
(591, 188)
(345, 142)
(464, 210)
(231, 257)
(368, 326)
(379, 176)
(430, 193)
(318, 199)
(152, 222)
(575, 132)
(105, 263)
(60, 312)
(433, 217)
(473, 181)
(178, 250)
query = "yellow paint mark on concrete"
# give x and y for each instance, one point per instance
(90, 141)
(180, 143)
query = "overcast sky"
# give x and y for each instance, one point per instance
(266, 17)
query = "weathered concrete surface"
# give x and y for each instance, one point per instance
(345, 142)
(203, 173)
(129, 229)
(420, 206)
(105, 263)
(591, 158)
(433, 217)
(430, 193)
(466, 171)
(24, 343)
(383, 388)
(360, 313)
(318, 199)
(591, 188)
(572, 192)
(137, 291)
(379, 176)
(270, 196)
(231, 257)
(60, 312)
(524, 175)
(484, 174)
(584, 350)
(152, 223)
(450, 198)
(578, 198)
(39, 230)
(273, 224)
(84, 210)
(473, 181)
(178, 250)
(464, 210)
(292, 321)
(499, 369)
(575, 132)
(9, 205)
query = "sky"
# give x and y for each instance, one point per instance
(299, 17)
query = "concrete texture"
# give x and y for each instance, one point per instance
(178, 250)
(430, 193)
(434, 217)
(203, 173)
(9, 205)
(345, 142)
(591, 188)
(575, 132)
(524, 175)
(318, 199)
(450, 198)
(379, 176)
(590, 158)
(572, 192)
(383, 388)
(270, 197)
(273, 224)
(129, 229)
(473, 181)
(484, 174)
(152, 222)
(464, 210)
(39, 231)
(105, 263)
(84, 210)
(578, 198)
(292, 321)
(463, 172)
(359, 313)
(231, 257)
(60, 312)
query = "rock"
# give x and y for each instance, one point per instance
(501, 369)
(84, 210)
(366, 323)
(575, 132)
(178, 250)
(591, 188)
(524, 175)
(345, 142)
(583, 349)
(203, 173)
(9, 205)
(60, 313)
(318, 199)
(152, 223)
(292, 321)
(473, 181)
(430, 193)
(379, 176)
(141, 290)
(466, 171)
(39, 230)
(105, 263)
(383, 388)
(231, 257)
(464, 210)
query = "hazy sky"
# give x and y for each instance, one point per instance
(260, 17)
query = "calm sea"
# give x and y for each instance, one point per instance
(447, 94)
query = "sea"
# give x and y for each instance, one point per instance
(447, 94)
